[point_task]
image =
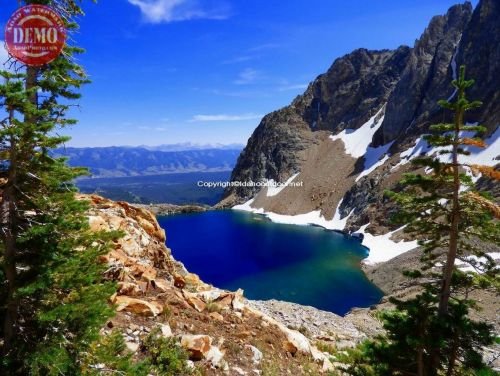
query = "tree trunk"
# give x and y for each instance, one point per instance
(453, 356)
(9, 216)
(420, 362)
(9, 236)
(455, 219)
(451, 256)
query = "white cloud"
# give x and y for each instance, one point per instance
(148, 128)
(247, 76)
(225, 117)
(239, 59)
(266, 46)
(293, 87)
(157, 11)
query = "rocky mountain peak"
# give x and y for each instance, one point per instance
(427, 75)
(361, 81)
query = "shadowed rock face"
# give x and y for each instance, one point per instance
(353, 89)
(273, 151)
(426, 78)
(480, 51)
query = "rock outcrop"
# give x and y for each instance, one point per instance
(222, 332)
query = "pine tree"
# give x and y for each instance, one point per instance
(432, 333)
(54, 298)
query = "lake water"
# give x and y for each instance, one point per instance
(301, 264)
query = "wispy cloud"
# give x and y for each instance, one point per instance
(292, 87)
(248, 76)
(265, 46)
(225, 117)
(239, 59)
(158, 11)
(147, 128)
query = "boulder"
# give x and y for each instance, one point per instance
(237, 302)
(216, 316)
(138, 306)
(166, 331)
(196, 303)
(132, 346)
(216, 357)
(129, 288)
(198, 346)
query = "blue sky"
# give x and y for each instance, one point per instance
(206, 71)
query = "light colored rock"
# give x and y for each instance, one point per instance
(195, 302)
(97, 223)
(216, 316)
(237, 302)
(192, 279)
(327, 366)
(238, 371)
(299, 340)
(210, 295)
(198, 346)
(132, 346)
(129, 288)
(216, 357)
(138, 306)
(166, 331)
(256, 354)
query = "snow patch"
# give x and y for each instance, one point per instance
(356, 141)
(478, 261)
(311, 218)
(483, 156)
(382, 248)
(375, 157)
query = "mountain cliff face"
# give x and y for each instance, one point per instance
(426, 78)
(352, 132)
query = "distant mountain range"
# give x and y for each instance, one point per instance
(124, 161)
(186, 146)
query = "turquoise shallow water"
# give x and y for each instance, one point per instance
(301, 264)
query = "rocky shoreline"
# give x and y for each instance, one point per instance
(169, 209)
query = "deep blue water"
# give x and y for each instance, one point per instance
(301, 264)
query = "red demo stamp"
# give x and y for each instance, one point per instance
(35, 35)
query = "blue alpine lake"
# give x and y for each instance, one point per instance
(301, 264)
